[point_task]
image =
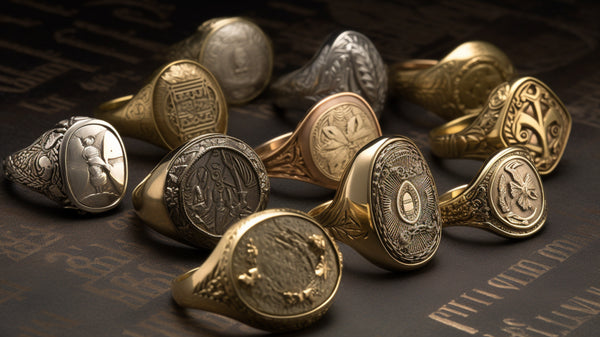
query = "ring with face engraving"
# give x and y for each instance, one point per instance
(506, 197)
(455, 86)
(323, 144)
(80, 163)
(347, 61)
(180, 101)
(386, 207)
(522, 112)
(276, 270)
(236, 51)
(200, 189)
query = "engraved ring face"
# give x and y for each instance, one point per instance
(404, 203)
(285, 266)
(213, 181)
(93, 165)
(188, 102)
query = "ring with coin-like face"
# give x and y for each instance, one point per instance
(457, 85)
(347, 61)
(323, 144)
(522, 112)
(198, 190)
(506, 197)
(181, 101)
(80, 163)
(236, 51)
(386, 207)
(276, 270)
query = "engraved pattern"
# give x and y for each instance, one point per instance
(407, 242)
(342, 223)
(336, 137)
(288, 162)
(349, 63)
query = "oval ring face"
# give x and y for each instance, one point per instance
(338, 134)
(475, 80)
(212, 182)
(404, 203)
(94, 165)
(285, 266)
(188, 102)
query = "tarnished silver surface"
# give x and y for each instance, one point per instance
(236, 51)
(81, 163)
(347, 61)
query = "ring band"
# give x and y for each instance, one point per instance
(386, 206)
(457, 85)
(276, 270)
(506, 197)
(320, 148)
(80, 163)
(236, 51)
(523, 112)
(347, 61)
(181, 101)
(198, 190)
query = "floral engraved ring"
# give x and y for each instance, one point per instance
(236, 51)
(457, 85)
(200, 189)
(506, 197)
(386, 207)
(180, 101)
(276, 270)
(521, 112)
(323, 144)
(347, 61)
(80, 163)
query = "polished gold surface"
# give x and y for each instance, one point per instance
(386, 206)
(323, 144)
(276, 270)
(506, 197)
(180, 101)
(457, 85)
(522, 112)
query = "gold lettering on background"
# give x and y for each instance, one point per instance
(11, 291)
(20, 241)
(48, 105)
(49, 324)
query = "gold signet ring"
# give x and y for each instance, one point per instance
(323, 144)
(347, 61)
(181, 101)
(521, 112)
(276, 270)
(506, 197)
(457, 85)
(236, 51)
(386, 207)
(198, 190)
(80, 163)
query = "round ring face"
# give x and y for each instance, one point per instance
(404, 203)
(285, 266)
(475, 80)
(211, 183)
(188, 102)
(338, 134)
(94, 165)
(516, 194)
(239, 55)
(537, 120)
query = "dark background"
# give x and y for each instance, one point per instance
(67, 274)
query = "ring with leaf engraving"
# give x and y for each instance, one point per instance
(235, 50)
(180, 101)
(506, 197)
(276, 270)
(347, 61)
(458, 84)
(201, 188)
(386, 207)
(323, 143)
(522, 112)
(80, 163)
